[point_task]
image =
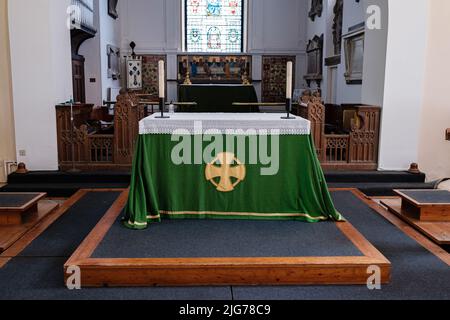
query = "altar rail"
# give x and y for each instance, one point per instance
(354, 150)
(93, 149)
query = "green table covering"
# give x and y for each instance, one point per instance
(161, 189)
(217, 98)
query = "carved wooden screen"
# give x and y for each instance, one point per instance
(128, 113)
(274, 77)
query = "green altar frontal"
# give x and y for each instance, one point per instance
(227, 166)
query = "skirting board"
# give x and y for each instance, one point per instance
(115, 272)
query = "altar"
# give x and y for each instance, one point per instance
(218, 97)
(251, 166)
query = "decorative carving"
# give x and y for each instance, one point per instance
(150, 78)
(314, 112)
(365, 135)
(274, 77)
(414, 168)
(358, 149)
(336, 148)
(245, 80)
(93, 149)
(213, 68)
(316, 9)
(128, 113)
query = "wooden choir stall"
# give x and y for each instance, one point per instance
(99, 141)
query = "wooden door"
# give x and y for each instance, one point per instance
(79, 92)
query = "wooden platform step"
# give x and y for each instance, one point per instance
(438, 232)
(426, 205)
(14, 206)
(9, 234)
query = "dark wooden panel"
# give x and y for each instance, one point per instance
(79, 91)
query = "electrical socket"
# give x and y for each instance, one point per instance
(22, 153)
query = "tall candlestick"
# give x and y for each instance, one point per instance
(162, 89)
(290, 67)
(289, 73)
(162, 79)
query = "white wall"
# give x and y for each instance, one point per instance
(375, 58)
(7, 141)
(353, 15)
(404, 81)
(434, 150)
(275, 27)
(41, 76)
(109, 30)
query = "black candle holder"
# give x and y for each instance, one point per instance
(288, 110)
(162, 105)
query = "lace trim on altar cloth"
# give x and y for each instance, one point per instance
(225, 123)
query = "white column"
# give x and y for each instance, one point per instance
(404, 81)
(41, 76)
(7, 145)
(434, 150)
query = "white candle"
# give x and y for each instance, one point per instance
(290, 67)
(162, 79)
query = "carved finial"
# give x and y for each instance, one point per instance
(133, 46)
(21, 168)
(187, 80)
(306, 93)
(414, 168)
(245, 80)
(317, 94)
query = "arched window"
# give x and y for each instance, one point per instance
(214, 26)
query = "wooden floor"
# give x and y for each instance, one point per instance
(439, 232)
(27, 238)
(10, 234)
(223, 271)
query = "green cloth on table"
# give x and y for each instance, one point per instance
(161, 189)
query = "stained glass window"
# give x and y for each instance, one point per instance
(214, 25)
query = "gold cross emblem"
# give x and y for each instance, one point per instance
(225, 172)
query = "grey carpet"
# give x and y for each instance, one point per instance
(226, 238)
(64, 236)
(42, 279)
(416, 273)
